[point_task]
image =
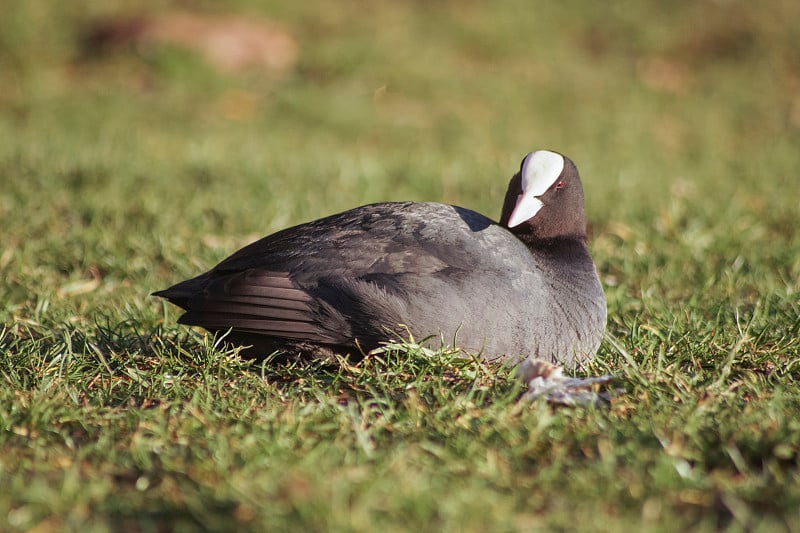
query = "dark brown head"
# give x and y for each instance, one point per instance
(545, 199)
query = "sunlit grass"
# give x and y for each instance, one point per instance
(124, 171)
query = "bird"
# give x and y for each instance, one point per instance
(524, 288)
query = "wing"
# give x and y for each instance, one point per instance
(256, 301)
(331, 280)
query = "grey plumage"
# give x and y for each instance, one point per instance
(344, 283)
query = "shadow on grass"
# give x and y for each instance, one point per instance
(134, 365)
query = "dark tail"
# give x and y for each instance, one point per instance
(181, 293)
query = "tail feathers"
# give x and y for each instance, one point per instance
(180, 294)
(257, 302)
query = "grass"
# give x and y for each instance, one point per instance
(123, 172)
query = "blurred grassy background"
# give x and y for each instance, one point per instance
(129, 161)
(684, 115)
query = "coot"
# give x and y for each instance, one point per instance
(525, 287)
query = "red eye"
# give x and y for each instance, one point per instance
(560, 185)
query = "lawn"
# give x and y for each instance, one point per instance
(133, 159)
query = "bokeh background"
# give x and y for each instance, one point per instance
(154, 139)
(142, 142)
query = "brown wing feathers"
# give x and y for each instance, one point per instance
(254, 301)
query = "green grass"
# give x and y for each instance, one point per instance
(122, 173)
